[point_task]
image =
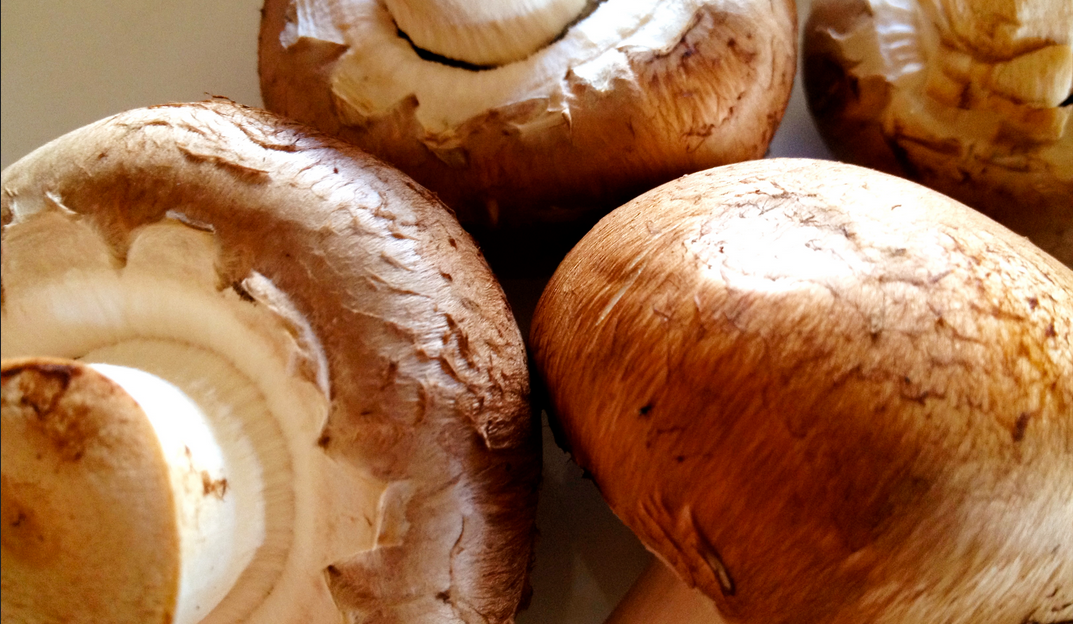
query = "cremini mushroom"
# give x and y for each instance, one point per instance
(333, 421)
(820, 393)
(528, 114)
(970, 98)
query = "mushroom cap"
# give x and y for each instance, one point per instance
(427, 376)
(971, 99)
(824, 394)
(630, 96)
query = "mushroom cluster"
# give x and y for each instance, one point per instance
(252, 374)
(970, 98)
(821, 393)
(521, 114)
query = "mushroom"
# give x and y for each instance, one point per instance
(970, 98)
(820, 393)
(356, 442)
(536, 114)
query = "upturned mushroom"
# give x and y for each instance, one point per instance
(522, 114)
(820, 393)
(280, 385)
(970, 98)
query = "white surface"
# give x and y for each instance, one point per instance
(66, 63)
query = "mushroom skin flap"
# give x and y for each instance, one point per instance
(821, 393)
(395, 439)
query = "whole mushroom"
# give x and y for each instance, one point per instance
(820, 393)
(972, 99)
(524, 115)
(290, 345)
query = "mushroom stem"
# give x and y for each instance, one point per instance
(215, 483)
(483, 33)
(86, 500)
(255, 370)
(660, 597)
(205, 514)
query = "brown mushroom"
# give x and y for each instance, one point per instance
(361, 373)
(821, 393)
(970, 98)
(609, 100)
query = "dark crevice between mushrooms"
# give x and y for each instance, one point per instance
(432, 57)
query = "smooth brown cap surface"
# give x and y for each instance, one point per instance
(824, 394)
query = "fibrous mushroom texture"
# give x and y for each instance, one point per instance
(617, 97)
(970, 98)
(370, 452)
(824, 394)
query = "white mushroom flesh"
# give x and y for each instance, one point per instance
(215, 476)
(263, 510)
(483, 33)
(381, 69)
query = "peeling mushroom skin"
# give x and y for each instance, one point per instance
(969, 98)
(821, 393)
(630, 95)
(378, 305)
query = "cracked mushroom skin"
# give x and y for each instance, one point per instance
(871, 421)
(393, 455)
(629, 95)
(972, 99)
